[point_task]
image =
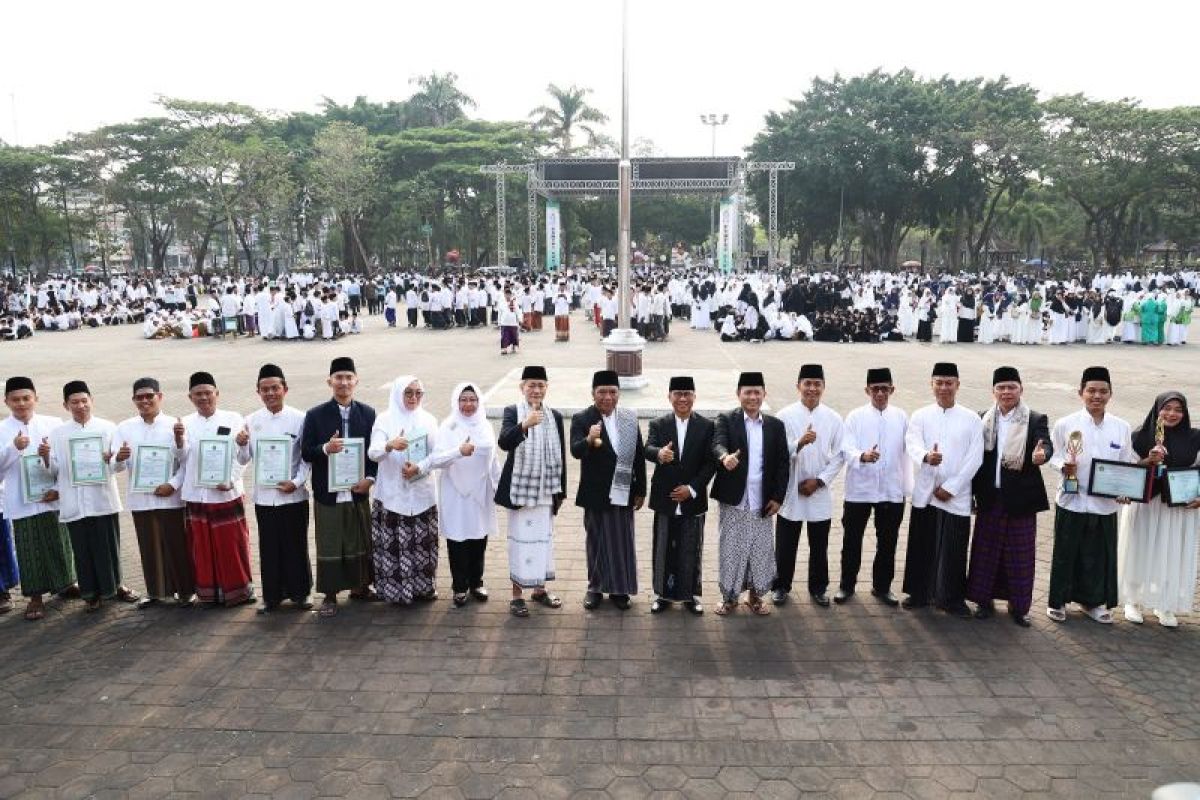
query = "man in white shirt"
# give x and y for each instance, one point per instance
(1083, 567)
(157, 510)
(43, 545)
(878, 478)
(215, 453)
(945, 443)
(814, 439)
(280, 508)
(78, 455)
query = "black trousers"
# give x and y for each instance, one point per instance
(888, 517)
(787, 541)
(283, 552)
(466, 563)
(412, 317)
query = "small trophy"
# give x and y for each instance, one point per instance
(1070, 484)
(1160, 436)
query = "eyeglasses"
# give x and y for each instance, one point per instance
(411, 393)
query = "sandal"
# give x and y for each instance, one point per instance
(517, 607)
(33, 614)
(93, 605)
(724, 608)
(759, 607)
(1057, 614)
(126, 595)
(460, 599)
(1101, 615)
(328, 609)
(546, 599)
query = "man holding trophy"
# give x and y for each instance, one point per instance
(1083, 567)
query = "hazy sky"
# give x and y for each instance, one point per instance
(72, 66)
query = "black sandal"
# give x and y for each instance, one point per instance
(546, 599)
(517, 607)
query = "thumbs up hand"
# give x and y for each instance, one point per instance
(125, 452)
(179, 431)
(933, 457)
(730, 461)
(594, 434)
(466, 448)
(666, 454)
(243, 436)
(1039, 453)
(809, 436)
(334, 445)
(21, 440)
(44, 449)
(870, 456)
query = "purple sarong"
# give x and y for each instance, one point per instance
(1003, 551)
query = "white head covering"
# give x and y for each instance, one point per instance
(398, 417)
(476, 426)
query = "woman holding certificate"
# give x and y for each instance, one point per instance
(404, 514)
(1157, 563)
(465, 488)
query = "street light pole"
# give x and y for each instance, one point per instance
(713, 121)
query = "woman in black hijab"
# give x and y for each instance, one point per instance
(1156, 564)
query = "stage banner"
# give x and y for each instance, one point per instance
(725, 235)
(553, 236)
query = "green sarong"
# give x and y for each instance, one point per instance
(96, 543)
(1083, 568)
(343, 533)
(44, 554)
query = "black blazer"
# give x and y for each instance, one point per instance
(597, 464)
(1021, 492)
(729, 435)
(511, 437)
(695, 468)
(321, 422)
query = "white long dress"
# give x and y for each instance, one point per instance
(702, 314)
(1156, 561)
(467, 484)
(948, 319)
(987, 327)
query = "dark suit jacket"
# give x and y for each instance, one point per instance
(1021, 492)
(729, 435)
(511, 437)
(597, 464)
(320, 422)
(695, 468)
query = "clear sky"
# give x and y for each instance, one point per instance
(72, 66)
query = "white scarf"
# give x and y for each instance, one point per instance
(1012, 456)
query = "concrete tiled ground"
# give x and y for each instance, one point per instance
(857, 701)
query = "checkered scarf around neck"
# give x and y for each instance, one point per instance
(1012, 454)
(537, 462)
(627, 435)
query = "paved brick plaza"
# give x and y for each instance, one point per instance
(432, 701)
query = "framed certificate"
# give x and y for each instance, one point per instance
(152, 467)
(418, 448)
(36, 480)
(85, 456)
(349, 466)
(272, 460)
(1181, 486)
(214, 461)
(1120, 479)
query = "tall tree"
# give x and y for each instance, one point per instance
(438, 101)
(345, 175)
(567, 116)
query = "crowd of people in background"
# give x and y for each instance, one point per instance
(754, 306)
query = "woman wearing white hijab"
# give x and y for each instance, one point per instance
(465, 488)
(404, 515)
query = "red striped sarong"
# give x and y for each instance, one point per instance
(220, 544)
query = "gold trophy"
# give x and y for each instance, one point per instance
(1070, 484)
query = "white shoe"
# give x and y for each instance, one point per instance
(1133, 614)
(1166, 619)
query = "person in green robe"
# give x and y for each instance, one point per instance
(1154, 311)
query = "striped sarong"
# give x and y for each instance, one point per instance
(611, 560)
(220, 545)
(166, 559)
(1003, 551)
(343, 532)
(44, 552)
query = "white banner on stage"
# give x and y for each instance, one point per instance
(725, 236)
(553, 236)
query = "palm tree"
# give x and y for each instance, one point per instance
(568, 113)
(439, 101)
(1029, 219)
